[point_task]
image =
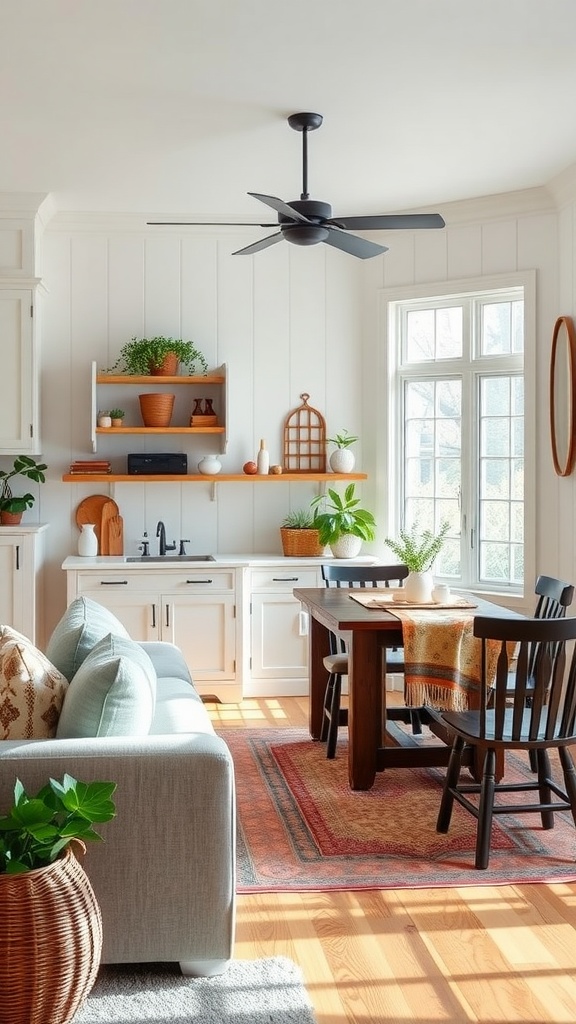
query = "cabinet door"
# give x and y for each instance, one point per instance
(19, 431)
(279, 640)
(139, 612)
(203, 628)
(11, 585)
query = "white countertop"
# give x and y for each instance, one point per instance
(77, 562)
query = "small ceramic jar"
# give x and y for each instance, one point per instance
(210, 465)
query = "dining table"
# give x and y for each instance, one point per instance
(368, 632)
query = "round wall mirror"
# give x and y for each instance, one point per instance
(563, 395)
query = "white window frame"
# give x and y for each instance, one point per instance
(389, 426)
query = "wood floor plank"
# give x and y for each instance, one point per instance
(415, 956)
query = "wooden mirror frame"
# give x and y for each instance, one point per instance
(563, 448)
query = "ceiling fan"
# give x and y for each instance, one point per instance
(306, 221)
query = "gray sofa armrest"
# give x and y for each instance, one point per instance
(165, 875)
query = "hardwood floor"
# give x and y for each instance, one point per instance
(490, 954)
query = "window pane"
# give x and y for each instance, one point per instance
(433, 334)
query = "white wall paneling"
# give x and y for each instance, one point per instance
(285, 321)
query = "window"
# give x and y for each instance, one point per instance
(457, 429)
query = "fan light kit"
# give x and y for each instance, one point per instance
(307, 221)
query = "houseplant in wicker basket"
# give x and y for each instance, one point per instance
(51, 934)
(299, 535)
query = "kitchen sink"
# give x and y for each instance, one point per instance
(170, 558)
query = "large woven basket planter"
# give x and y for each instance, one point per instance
(50, 943)
(156, 409)
(300, 543)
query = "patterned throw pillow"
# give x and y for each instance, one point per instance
(31, 689)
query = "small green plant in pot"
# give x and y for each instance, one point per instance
(117, 417)
(342, 460)
(300, 535)
(142, 357)
(12, 506)
(418, 550)
(342, 524)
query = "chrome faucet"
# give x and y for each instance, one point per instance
(163, 547)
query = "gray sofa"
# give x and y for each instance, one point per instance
(165, 875)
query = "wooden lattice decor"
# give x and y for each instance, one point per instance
(305, 440)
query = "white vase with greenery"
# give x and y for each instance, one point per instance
(418, 551)
(342, 459)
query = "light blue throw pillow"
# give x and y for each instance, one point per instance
(113, 693)
(83, 624)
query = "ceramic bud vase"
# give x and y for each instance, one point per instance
(263, 459)
(87, 541)
(342, 460)
(418, 587)
(210, 465)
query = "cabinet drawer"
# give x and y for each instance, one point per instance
(281, 579)
(194, 580)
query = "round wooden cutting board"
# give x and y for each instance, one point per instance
(90, 511)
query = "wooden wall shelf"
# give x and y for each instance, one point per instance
(199, 478)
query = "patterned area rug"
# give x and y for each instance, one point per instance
(300, 827)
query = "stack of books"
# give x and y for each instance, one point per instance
(83, 466)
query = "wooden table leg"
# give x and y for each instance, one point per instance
(364, 707)
(317, 675)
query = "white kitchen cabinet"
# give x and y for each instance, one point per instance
(194, 609)
(19, 414)
(21, 569)
(278, 631)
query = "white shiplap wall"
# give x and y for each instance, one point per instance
(286, 321)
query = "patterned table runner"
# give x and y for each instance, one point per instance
(443, 658)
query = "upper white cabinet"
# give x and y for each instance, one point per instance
(19, 412)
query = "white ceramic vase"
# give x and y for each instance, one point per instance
(347, 546)
(418, 587)
(87, 541)
(210, 465)
(342, 460)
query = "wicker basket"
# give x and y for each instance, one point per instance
(156, 409)
(50, 943)
(298, 543)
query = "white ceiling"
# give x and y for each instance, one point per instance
(179, 107)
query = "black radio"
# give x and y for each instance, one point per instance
(158, 463)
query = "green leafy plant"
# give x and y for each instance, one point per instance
(341, 515)
(36, 829)
(343, 440)
(140, 355)
(117, 414)
(418, 550)
(299, 519)
(23, 465)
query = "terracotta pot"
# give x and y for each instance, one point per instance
(168, 368)
(10, 518)
(156, 409)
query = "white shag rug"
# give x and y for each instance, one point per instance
(269, 991)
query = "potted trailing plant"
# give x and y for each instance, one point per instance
(342, 460)
(299, 535)
(52, 928)
(158, 356)
(12, 506)
(418, 550)
(342, 524)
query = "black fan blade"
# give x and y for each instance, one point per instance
(257, 246)
(360, 247)
(210, 224)
(389, 222)
(280, 207)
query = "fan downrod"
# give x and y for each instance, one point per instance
(305, 122)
